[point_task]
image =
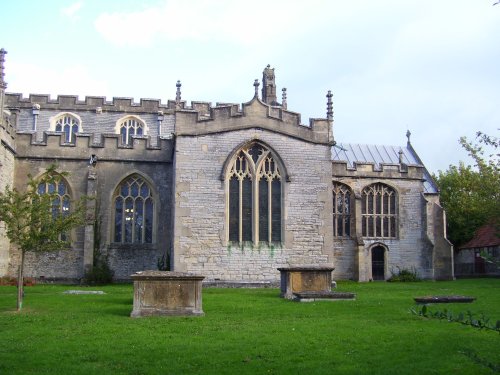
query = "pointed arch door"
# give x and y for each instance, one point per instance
(378, 263)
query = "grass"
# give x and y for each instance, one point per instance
(249, 331)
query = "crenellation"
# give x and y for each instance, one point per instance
(89, 103)
(374, 170)
(109, 148)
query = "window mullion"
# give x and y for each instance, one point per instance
(255, 208)
(123, 214)
(382, 197)
(240, 210)
(269, 209)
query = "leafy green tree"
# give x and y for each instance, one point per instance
(471, 194)
(34, 220)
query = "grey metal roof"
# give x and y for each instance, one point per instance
(380, 154)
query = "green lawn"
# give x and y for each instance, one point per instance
(249, 331)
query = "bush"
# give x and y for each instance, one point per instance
(404, 275)
(100, 273)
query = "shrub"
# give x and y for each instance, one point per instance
(403, 275)
(100, 273)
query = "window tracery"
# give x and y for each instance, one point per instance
(69, 125)
(61, 199)
(341, 210)
(128, 127)
(379, 211)
(254, 196)
(133, 211)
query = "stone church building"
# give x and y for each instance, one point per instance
(231, 192)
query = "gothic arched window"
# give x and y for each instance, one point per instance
(379, 211)
(254, 196)
(69, 125)
(128, 127)
(341, 210)
(60, 198)
(133, 211)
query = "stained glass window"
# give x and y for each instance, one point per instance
(61, 201)
(379, 211)
(341, 210)
(69, 125)
(129, 127)
(255, 194)
(133, 212)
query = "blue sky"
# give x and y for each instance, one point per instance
(429, 66)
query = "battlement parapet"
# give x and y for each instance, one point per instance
(8, 122)
(90, 103)
(197, 119)
(201, 118)
(373, 170)
(104, 147)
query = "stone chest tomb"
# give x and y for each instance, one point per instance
(164, 293)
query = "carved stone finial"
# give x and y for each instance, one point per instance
(256, 85)
(400, 156)
(408, 135)
(98, 110)
(283, 98)
(178, 93)
(329, 106)
(3, 84)
(269, 86)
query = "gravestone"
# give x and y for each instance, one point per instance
(167, 293)
(308, 284)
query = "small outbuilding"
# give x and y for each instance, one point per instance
(481, 255)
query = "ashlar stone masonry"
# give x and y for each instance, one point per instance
(231, 192)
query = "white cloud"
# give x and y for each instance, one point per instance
(72, 10)
(35, 79)
(205, 21)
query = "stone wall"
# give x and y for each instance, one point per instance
(184, 166)
(7, 153)
(124, 259)
(410, 249)
(114, 164)
(200, 243)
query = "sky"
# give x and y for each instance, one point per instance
(428, 66)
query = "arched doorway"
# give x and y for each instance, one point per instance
(378, 263)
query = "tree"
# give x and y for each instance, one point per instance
(471, 194)
(38, 220)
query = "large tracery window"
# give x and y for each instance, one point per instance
(133, 203)
(129, 127)
(255, 190)
(341, 210)
(69, 125)
(61, 199)
(379, 211)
